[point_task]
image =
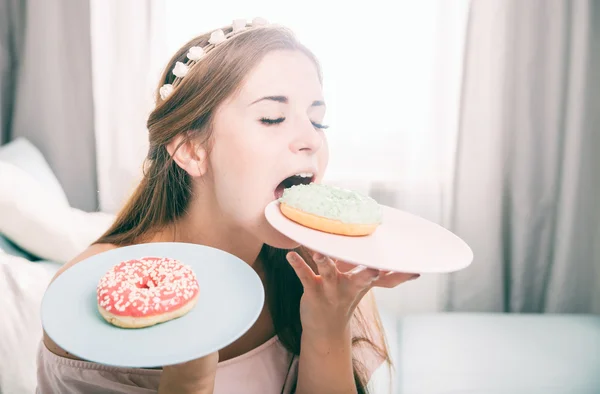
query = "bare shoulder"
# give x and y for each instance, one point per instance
(90, 251)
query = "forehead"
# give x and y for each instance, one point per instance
(288, 73)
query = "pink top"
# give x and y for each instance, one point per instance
(263, 370)
(267, 369)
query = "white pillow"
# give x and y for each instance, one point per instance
(23, 154)
(41, 222)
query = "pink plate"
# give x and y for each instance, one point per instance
(402, 243)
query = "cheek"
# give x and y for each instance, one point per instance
(232, 169)
(323, 157)
(237, 168)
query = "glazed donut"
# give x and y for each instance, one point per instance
(331, 209)
(144, 292)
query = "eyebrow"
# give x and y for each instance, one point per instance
(285, 100)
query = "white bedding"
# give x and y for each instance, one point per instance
(22, 286)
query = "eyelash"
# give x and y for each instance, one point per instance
(270, 122)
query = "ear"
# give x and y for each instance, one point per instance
(188, 155)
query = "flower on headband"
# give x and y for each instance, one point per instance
(195, 53)
(180, 70)
(217, 37)
(239, 25)
(258, 21)
(166, 90)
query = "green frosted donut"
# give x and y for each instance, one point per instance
(334, 203)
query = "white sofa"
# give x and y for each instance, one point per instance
(495, 353)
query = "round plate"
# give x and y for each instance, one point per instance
(402, 243)
(231, 298)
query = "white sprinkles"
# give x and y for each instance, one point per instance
(146, 286)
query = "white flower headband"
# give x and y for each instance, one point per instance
(195, 54)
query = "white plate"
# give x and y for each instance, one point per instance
(231, 298)
(402, 243)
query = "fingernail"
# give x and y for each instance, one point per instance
(291, 258)
(318, 258)
(416, 276)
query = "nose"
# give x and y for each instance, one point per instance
(307, 139)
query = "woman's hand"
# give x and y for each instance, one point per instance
(193, 377)
(332, 294)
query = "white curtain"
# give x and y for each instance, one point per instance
(45, 89)
(528, 170)
(128, 49)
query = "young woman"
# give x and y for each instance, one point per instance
(227, 130)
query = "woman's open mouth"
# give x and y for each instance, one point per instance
(303, 178)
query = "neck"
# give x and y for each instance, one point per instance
(203, 226)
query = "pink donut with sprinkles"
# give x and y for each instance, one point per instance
(144, 292)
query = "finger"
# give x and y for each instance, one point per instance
(326, 267)
(362, 276)
(342, 266)
(394, 279)
(305, 273)
(358, 268)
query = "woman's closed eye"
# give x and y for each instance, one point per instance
(320, 126)
(270, 121)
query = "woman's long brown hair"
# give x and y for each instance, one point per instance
(165, 190)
